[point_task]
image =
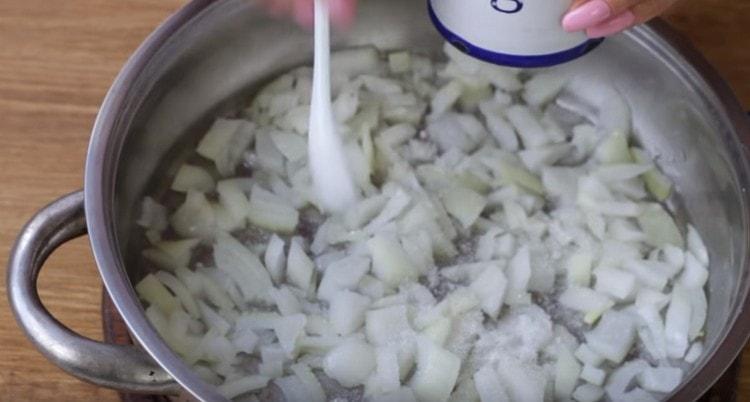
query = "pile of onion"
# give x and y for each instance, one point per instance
(496, 253)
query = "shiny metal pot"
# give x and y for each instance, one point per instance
(211, 54)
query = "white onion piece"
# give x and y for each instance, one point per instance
(244, 268)
(646, 274)
(152, 291)
(613, 336)
(699, 312)
(639, 394)
(274, 258)
(657, 183)
(659, 227)
(464, 204)
(315, 391)
(350, 363)
(234, 200)
(191, 177)
(621, 378)
(500, 128)
(403, 394)
(347, 311)
(613, 112)
(614, 149)
(172, 254)
(446, 97)
(524, 382)
(180, 291)
(399, 62)
(194, 218)
(271, 212)
(293, 389)
(519, 273)
(153, 215)
(543, 88)
(695, 275)
(386, 324)
(245, 341)
(355, 61)
(436, 374)
(585, 300)
(299, 267)
(488, 385)
(694, 353)
(677, 323)
(593, 375)
(439, 331)
(587, 356)
(588, 393)
(527, 126)
(288, 330)
(286, 301)
(215, 322)
(343, 274)
(567, 371)
(225, 142)
(389, 260)
(578, 266)
(392, 209)
(241, 386)
(615, 282)
(696, 245)
(386, 378)
(621, 172)
(660, 379)
(490, 287)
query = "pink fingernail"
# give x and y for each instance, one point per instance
(343, 13)
(612, 26)
(304, 13)
(586, 16)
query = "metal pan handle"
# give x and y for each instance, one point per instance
(125, 368)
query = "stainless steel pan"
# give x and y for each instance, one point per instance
(211, 54)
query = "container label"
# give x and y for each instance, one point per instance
(507, 6)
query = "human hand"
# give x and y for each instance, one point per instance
(342, 11)
(606, 17)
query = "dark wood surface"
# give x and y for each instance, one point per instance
(57, 59)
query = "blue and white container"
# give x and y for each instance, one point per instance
(517, 33)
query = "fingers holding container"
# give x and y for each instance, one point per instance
(342, 11)
(606, 17)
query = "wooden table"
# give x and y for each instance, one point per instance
(57, 59)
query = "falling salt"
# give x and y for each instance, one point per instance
(332, 179)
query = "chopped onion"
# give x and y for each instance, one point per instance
(389, 261)
(225, 142)
(436, 374)
(152, 291)
(660, 379)
(350, 363)
(243, 385)
(347, 311)
(481, 188)
(191, 177)
(588, 393)
(593, 375)
(488, 385)
(299, 267)
(613, 336)
(386, 324)
(567, 371)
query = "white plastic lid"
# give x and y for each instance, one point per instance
(517, 33)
